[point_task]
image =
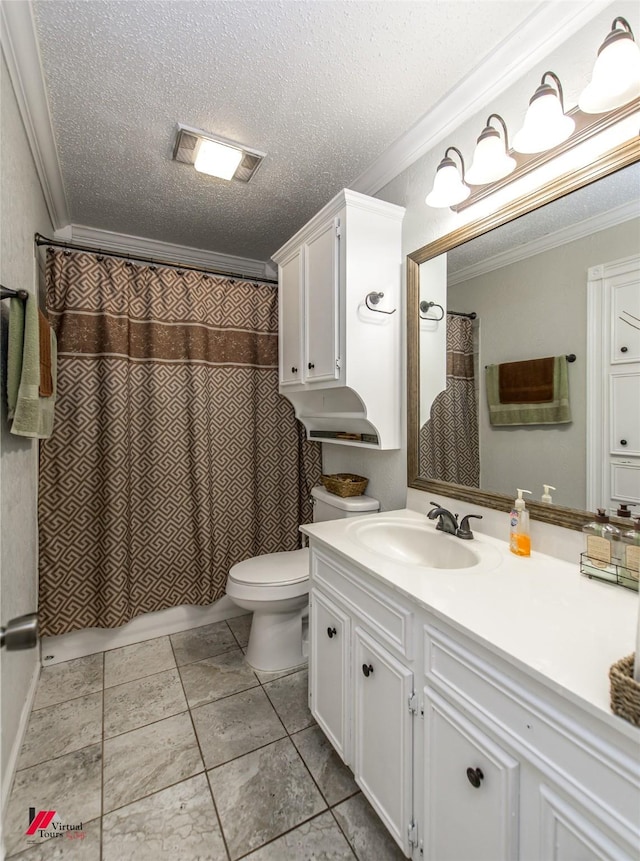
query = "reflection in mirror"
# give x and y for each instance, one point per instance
(526, 283)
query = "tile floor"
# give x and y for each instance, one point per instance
(175, 749)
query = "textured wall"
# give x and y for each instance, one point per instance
(22, 213)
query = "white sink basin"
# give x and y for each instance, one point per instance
(416, 544)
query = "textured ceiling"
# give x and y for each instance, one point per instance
(323, 87)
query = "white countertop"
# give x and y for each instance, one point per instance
(539, 613)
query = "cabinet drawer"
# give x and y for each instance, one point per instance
(391, 621)
(552, 735)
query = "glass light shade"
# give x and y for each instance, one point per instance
(490, 161)
(217, 159)
(616, 77)
(448, 187)
(545, 124)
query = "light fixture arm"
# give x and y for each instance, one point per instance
(625, 24)
(556, 81)
(504, 128)
(456, 150)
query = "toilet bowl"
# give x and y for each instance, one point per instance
(275, 588)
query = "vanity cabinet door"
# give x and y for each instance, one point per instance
(471, 789)
(383, 734)
(290, 317)
(329, 663)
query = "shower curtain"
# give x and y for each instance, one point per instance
(173, 456)
(449, 448)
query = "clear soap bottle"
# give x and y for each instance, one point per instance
(630, 554)
(603, 547)
(520, 537)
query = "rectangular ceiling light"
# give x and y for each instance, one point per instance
(216, 156)
(217, 159)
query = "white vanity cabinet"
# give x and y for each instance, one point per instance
(464, 756)
(339, 360)
(361, 688)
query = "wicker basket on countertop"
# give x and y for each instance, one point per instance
(625, 691)
(345, 484)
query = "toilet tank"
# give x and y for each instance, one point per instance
(328, 506)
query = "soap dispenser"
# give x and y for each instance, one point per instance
(520, 538)
(630, 553)
(603, 547)
(546, 496)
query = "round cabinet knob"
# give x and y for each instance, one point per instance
(294, 370)
(311, 366)
(367, 669)
(475, 776)
(624, 349)
(331, 632)
(623, 442)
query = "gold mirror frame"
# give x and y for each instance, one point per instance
(570, 518)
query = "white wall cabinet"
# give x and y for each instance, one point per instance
(462, 755)
(339, 360)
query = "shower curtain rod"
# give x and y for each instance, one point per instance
(471, 315)
(42, 240)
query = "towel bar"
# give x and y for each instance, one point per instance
(8, 293)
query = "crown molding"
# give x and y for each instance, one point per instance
(124, 243)
(545, 243)
(22, 55)
(544, 30)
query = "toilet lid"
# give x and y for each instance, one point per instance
(274, 569)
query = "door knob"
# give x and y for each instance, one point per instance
(20, 633)
(331, 632)
(475, 776)
(367, 669)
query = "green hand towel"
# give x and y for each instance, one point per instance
(32, 415)
(557, 411)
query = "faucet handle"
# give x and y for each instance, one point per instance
(464, 531)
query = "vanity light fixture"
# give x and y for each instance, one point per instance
(491, 159)
(215, 156)
(616, 73)
(545, 123)
(449, 186)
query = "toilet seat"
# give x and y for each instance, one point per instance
(272, 577)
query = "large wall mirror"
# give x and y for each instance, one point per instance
(523, 273)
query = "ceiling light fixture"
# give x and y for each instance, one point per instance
(216, 156)
(616, 73)
(448, 185)
(545, 123)
(491, 159)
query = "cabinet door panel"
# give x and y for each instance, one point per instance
(383, 734)
(290, 315)
(463, 820)
(329, 640)
(321, 301)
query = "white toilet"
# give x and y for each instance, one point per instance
(276, 588)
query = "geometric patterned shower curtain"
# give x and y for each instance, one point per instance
(448, 441)
(173, 456)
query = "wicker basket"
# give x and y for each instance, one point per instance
(625, 691)
(345, 484)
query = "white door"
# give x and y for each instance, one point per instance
(471, 789)
(290, 317)
(383, 730)
(329, 662)
(613, 385)
(321, 304)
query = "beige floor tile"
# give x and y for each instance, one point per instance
(319, 839)
(334, 779)
(289, 696)
(62, 728)
(141, 659)
(204, 642)
(70, 679)
(370, 839)
(142, 701)
(241, 626)
(216, 677)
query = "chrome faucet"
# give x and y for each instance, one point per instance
(448, 522)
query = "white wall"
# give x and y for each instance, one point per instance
(573, 63)
(532, 308)
(22, 213)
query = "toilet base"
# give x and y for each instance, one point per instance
(275, 641)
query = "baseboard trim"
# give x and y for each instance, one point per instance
(10, 771)
(77, 644)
